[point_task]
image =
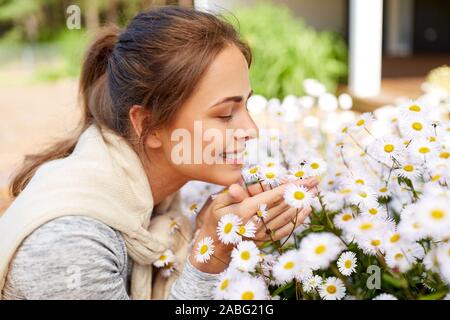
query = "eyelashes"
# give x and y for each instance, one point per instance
(226, 118)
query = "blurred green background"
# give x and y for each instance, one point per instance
(286, 50)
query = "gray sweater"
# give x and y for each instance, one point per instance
(76, 257)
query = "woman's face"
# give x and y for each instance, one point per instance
(207, 138)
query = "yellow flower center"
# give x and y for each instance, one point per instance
(347, 217)
(245, 255)
(348, 264)
(398, 256)
(298, 195)
(288, 265)
(345, 191)
(163, 257)
(259, 213)
(424, 150)
(331, 289)
(417, 126)
(270, 175)
(203, 249)
(395, 238)
(373, 211)
(414, 108)
(315, 165)
(384, 189)
(363, 195)
(320, 249)
(360, 123)
(375, 243)
(437, 214)
(270, 164)
(228, 227)
(366, 226)
(299, 174)
(359, 181)
(253, 170)
(389, 148)
(193, 206)
(408, 168)
(241, 230)
(248, 295)
(444, 155)
(224, 284)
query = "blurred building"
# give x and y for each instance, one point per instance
(388, 39)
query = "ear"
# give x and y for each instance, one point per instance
(138, 116)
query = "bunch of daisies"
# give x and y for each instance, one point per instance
(380, 225)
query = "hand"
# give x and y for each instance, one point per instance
(245, 203)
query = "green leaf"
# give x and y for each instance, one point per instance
(434, 296)
(396, 282)
(282, 288)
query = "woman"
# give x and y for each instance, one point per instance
(94, 213)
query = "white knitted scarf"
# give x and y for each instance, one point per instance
(103, 179)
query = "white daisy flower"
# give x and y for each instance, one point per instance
(409, 170)
(286, 266)
(168, 269)
(245, 256)
(386, 148)
(205, 249)
(248, 230)
(311, 283)
(223, 283)
(164, 259)
(375, 211)
(443, 260)
(248, 288)
(433, 212)
(333, 201)
(297, 196)
(402, 258)
(385, 296)
(421, 148)
(382, 190)
(364, 225)
(361, 122)
(174, 225)
(271, 176)
(315, 167)
(415, 127)
(227, 229)
(371, 244)
(363, 195)
(413, 109)
(251, 173)
(262, 212)
(332, 288)
(320, 249)
(343, 219)
(297, 172)
(347, 263)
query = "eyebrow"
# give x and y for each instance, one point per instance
(232, 99)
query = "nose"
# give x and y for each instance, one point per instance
(248, 129)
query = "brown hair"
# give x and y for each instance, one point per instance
(156, 62)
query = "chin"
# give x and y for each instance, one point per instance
(223, 174)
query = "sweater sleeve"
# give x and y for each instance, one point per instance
(71, 257)
(194, 284)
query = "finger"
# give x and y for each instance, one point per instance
(269, 197)
(282, 219)
(255, 188)
(310, 182)
(287, 229)
(276, 211)
(234, 194)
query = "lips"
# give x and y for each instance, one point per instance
(234, 157)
